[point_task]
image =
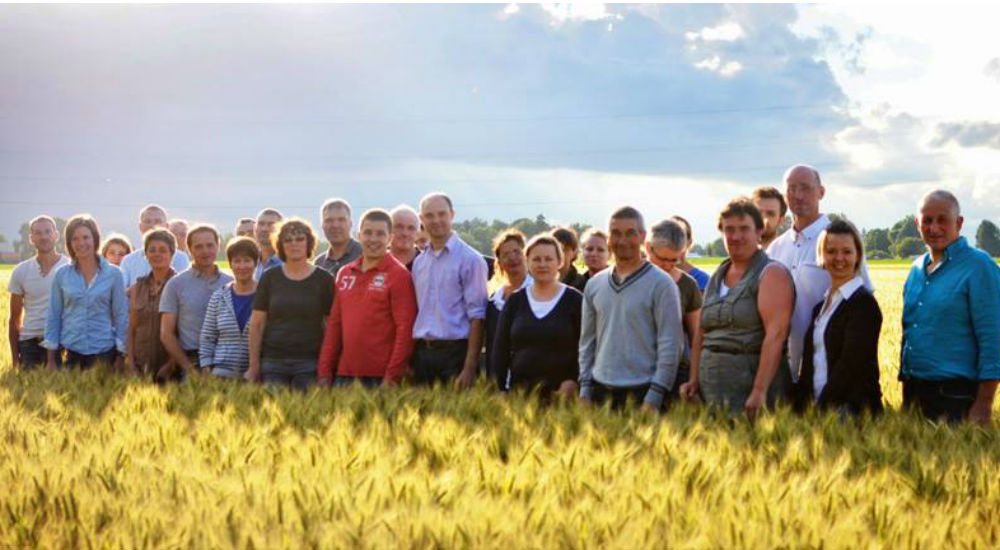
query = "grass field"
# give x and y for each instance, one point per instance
(97, 461)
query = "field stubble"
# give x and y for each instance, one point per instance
(95, 460)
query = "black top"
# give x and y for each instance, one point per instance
(492, 318)
(574, 279)
(539, 352)
(295, 312)
(851, 342)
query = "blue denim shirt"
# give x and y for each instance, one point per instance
(87, 319)
(951, 317)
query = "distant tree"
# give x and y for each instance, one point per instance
(226, 237)
(906, 227)
(877, 240)
(909, 247)
(698, 250)
(988, 238)
(716, 249)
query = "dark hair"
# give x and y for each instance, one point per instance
(507, 235)
(120, 240)
(202, 228)
(739, 207)
(376, 215)
(81, 220)
(566, 237)
(629, 213)
(841, 227)
(292, 226)
(687, 227)
(334, 203)
(545, 239)
(163, 235)
(242, 246)
(768, 192)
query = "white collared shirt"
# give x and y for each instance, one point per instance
(797, 251)
(498, 299)
(820, 367)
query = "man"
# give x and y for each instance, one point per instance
(405, 227)
(369, 338)
(772, 208)
(263, 228)
(244, 228)
(568, 275)
(950, 351)
(335, 216)
(179, 228)
(30, 284)
(135, 265)
(631, 336)
(450, 282)
(185, 300)
(701, 277)
(796, 249)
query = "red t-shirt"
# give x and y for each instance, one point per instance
(370, 330)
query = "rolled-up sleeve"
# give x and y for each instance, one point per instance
(984, 307)
(474, 275)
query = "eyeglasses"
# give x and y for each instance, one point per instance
(294, 239)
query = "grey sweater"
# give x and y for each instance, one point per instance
(632, 332)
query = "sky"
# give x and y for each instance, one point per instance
(216, 111)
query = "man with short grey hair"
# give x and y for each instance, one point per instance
(950, 352)
(135, 265)
(796, 249)
(405, 226)
(335, 218)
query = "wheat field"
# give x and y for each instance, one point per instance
(95, 460)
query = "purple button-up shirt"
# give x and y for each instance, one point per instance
(451, 290)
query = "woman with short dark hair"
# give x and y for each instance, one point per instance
(88, 311)
(224, 345)
(840, 354)
(146, 355)
(289, 311)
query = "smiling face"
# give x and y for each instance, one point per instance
(405, 226)
(336, 225)
(741, 236)
(510, 256)
(840, 256)
(83, 243)
(158, 254)
(243, 268)
(114, 253)
(436, 216)
(625, 238)
(939, 224)
(204, 249)
(543, 263)
(375, 237)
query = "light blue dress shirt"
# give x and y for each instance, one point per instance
(951, 317)
(87, 319)
(451, 290)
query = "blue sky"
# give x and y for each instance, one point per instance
(566, 110)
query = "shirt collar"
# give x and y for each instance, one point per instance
(849, 288)
(352, 245)
(382, 265)
(498, 299)
(215, 275)
(952, 250)
(813, 230)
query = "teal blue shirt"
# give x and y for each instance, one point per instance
(951, 317)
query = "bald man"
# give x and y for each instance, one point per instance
(950, 353)
(796, 249)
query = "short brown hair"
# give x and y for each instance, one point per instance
(629, 213)
(163, 235)
(768, 192)
(505, 236)
(202, 228)
(242, 246)
(739, 207)
(375, 215)
(81, 220)
(292, 226)
(841, 227)
(120, 240)
(687, 227)
(545, 239)
(566, 237)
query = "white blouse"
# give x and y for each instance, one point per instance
(830, 305)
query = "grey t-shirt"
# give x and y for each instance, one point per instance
(332, 266)
(295, 312)
(187, 295)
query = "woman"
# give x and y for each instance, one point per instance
(538, 333)
(666, 244)
(88, 313)
(224, 343)
(568, 274)
(840, 357)
(289, 311)
(115, 248)
(146, 354)
(595, 252)
(737, 356)
(508, 249)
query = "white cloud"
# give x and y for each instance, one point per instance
(511, 9)
(715, 64)
(726, 32)
(563, 12)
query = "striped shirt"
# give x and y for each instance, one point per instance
(223, 345)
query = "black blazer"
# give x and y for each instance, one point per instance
(851, 341)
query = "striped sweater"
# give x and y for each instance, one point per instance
(223, 345)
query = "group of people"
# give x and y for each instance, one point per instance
(787, 317)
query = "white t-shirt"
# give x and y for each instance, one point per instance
(27, 281)
(541, 309)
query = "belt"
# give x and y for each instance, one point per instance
(440, 344)
(749, 350)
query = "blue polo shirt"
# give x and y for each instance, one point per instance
(951, 317)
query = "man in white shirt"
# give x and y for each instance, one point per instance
(135, 264)
(796, 249)
(29, 288)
